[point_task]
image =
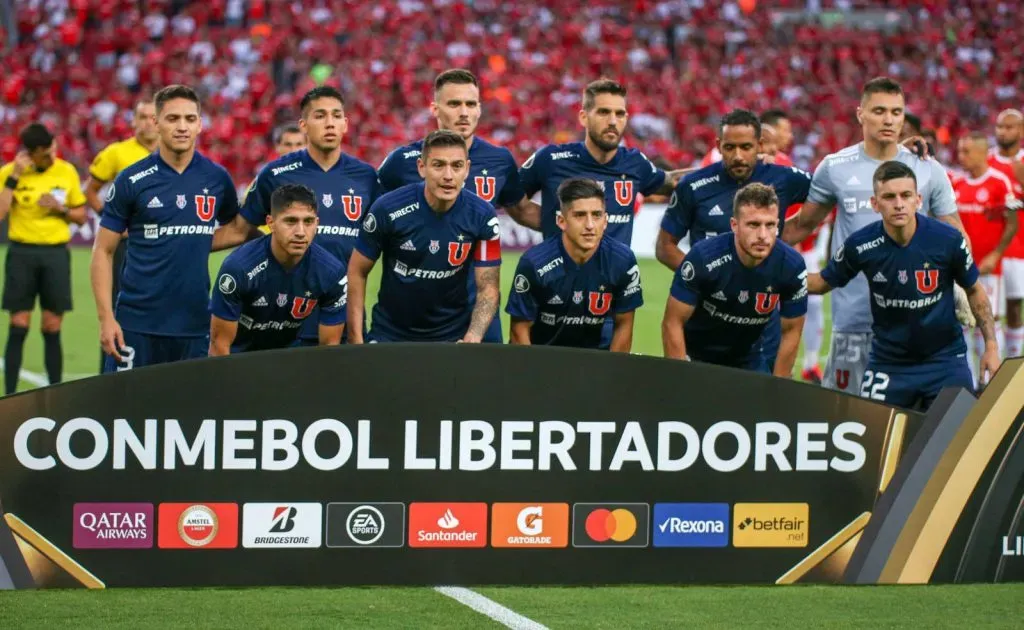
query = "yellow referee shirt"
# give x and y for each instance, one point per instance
(31, 224)
(117, 157)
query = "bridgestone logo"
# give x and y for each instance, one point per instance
(282, 540)
(446, 536)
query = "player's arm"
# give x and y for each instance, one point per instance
(672, 179)
(965, 275)
(243, 224)
(682, 301)
(92, 193)
(488, 296)
(522, 304)
(675, 224)
(628, 297)
(519, 332)
(525, 212)
(793, 312)
(9, 175)
(333, 311)
(102, 170)
(802, 224)
(101, 276)
(622, 332)
(359, 267)
(513, 198)
(233, 234)
(222, 335)
(988, 264)
(841, 268)
(942, 199)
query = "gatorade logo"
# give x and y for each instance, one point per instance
(535, 525)
(610, 524)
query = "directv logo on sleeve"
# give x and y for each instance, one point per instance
(691, 524)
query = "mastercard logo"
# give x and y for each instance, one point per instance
(610, 525)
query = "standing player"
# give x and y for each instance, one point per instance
(289, 139)
(344, 185)
(169, 203)
(726, 291)
(911, 262)
(427, 233)
(988, 210)
(843, 180)
(565, 286)
(42, 195)
(114, 159)
(1008, 158)
(493, 173)
(267, 288)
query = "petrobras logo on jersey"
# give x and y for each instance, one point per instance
(863, 247)
(884, 302)
(401, 212)
(330, 444)
(284, 169)
(703, 182)
(337, 230)
(258, 268)
(718, 262)
(249, 323)
(549, 267)
(146, 173)
(153, 231)
(729, 318)
(581, 320)
(425, 274)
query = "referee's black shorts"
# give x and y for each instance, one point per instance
(37, 270)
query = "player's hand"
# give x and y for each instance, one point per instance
(990, 362)
(766, 158)
(962, 306)
(988, 264)
(49, 202)
(22, 162)
(111, 338)
(918, 145)
(470, 338)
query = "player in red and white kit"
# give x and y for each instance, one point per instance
(1008, 158)
(988, 210)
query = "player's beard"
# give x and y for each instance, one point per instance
(1007, 145)
(603, 144)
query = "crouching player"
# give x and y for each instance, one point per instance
(269, 286)
(911, 263)
(566, 286)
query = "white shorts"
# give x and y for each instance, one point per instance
(847, 360)
(993, 286)
(1013, 278)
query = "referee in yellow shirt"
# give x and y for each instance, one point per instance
(42, 195)
(114, 159)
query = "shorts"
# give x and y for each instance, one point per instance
(142, 350)
(847, 361)
(1013, 278)
(915, 386)
(37, 270)
(993, 286)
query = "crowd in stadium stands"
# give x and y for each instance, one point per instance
(79, 65)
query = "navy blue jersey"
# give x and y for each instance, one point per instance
(270, 303)
(568, 303)
(701, 204)
(342, 193)
(170, 218)
(626, 174)
(423, 295)
(493, 174)
(734, 303)
(911, 288)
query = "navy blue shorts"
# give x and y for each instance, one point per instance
(914, 386)
(141, 350)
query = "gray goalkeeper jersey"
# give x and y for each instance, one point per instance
(843, 179)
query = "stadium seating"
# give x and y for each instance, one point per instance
(79, 64)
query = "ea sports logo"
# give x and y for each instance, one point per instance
(198, 526)
(365, 525)
(617, 525)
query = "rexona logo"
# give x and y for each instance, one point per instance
(282, 525)
(530, 525)
(448, 525)
(365, 524)
(113, 526)
(691, 525)
(197, 526)
(770, 524)
(610, 524)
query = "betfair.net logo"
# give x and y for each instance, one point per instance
(770, 525)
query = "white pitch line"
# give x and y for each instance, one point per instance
(490, 608)
(41, 380)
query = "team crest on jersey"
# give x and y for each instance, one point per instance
(598, 303)
(577, 297)
(282, 299)
(181, 203)
(743, 297)
(434, 246)
(485, 187)
(624, 192)
(205, 207)
(765, 303)
(902, 276)
(302, 307)
(458, 253)
(352, 205)
(981, 195)
(327, 200)
(927, 280)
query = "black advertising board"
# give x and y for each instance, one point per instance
(440, 464)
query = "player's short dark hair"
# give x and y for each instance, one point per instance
(773, 116)
(892, 170)
(880, 85)
(458, 76)
(285, 195)
(978, 136)
(443, 138)
(741, 118)
(576, 188)
(914, 122)
(283, 129)
(172, 92)
(321, 91)
(755, 195)
(601, 86)
(35, 136)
